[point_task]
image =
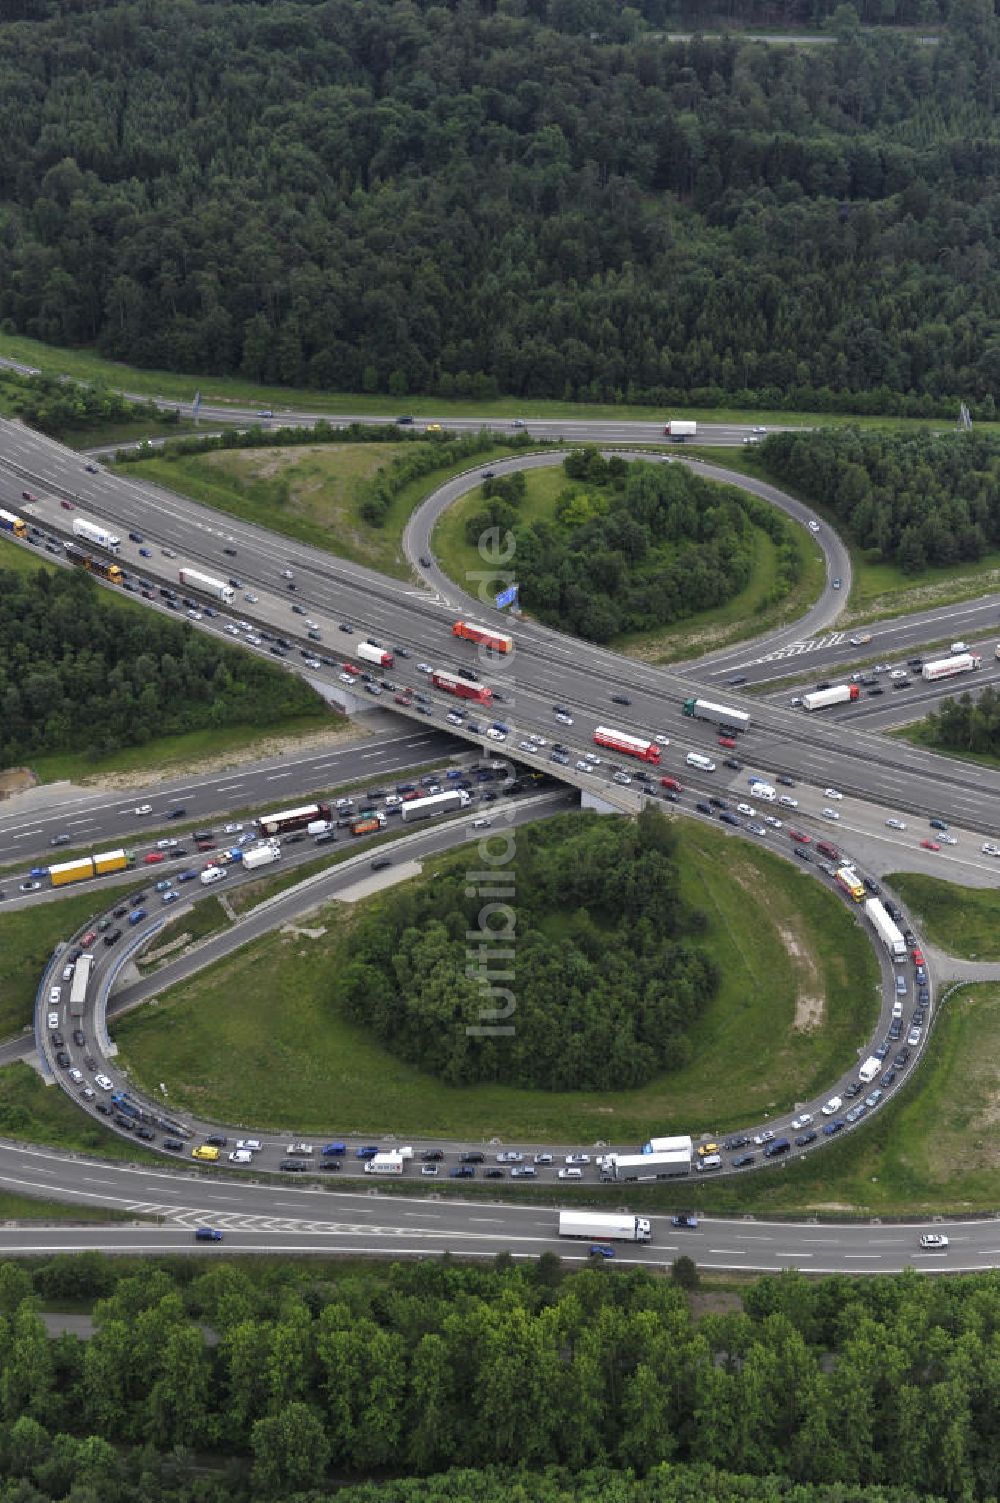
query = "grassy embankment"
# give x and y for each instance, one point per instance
(163, 754)
(311, 493)
(300, 1065)
(962, 921)
(740, 618)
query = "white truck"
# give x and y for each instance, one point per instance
(839, 694)
(668, 1145)
(601, 1227)
(260, 855)
(436, 803)
(386, 1163)
(869, 1070)
(765, 791)
(217, 588)
(96, 533)
(633, 1168)
(886, 930)
(962, 662)
(370, 652)
(319, 827)
(680, 429)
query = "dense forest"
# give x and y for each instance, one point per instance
(78, 675)
(290, 1376)
(966, 724)
(541, 197)
(919, 500)
(641, 547)
(608, 979)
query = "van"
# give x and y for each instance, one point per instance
(710, 1161)
(869, 1070)
(209, 875)
(763, 791)
(695, 759)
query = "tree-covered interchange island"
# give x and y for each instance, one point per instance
(796, 995)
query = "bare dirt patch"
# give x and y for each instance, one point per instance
(16, 780)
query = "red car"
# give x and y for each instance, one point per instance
(918, 955)
(411, 795)
(929, 845)
(671, 783)
(727, 741)
(203, 845)
(88, 938)
(403, 699)
(800, 836)
(350, 668)
(152, 857)
(66, 505)
(27, 496)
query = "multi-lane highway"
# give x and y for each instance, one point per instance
(547, 669)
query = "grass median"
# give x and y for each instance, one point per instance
(962, 921)
(256, 1040)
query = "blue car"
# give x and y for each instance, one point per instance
(368, 1152)
(137, 917)
(170, 897)
(335, 1148)
(601, 1250)
(145, 553)
(207, 1234)
(164, 885)
(188, 876)
(833, 1127)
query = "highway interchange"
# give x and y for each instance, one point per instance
(548, 668)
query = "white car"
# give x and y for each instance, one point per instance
(429, 1171)
(76, 1076)
(583, 767)
(104, 1081)
(143, 809)
(312, 625)
(989, 849)
(946, 839)
(895, 824)
(897, 1008)
(773, 821)
(194, 615)
(67, 973)
(494, 734)
(480, 824)
(244, 625)
(747, 809)
(577, 1158)
(564, 719)
(166, 845)
(571, 1174)
(347, 678)
(525, 746)
(759, 429)
(622, 777)
(814, 527)
(251, 598)
(53, 1020)
(833, 1105)
(300, 1150)
(391, 799)
(935, 1240)
(344, 803)
(801, 1121)
(249, 1145)
(538, 740)
(252, 640)
(228, 830)
(662, 740)
(787, 802)
(55, 996)
(241, 1156)
(830, 814)
(424, 668)
(832, 793)
(453, 718)
(231, 628)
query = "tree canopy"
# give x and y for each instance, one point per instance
(548, 199)
(79, 673)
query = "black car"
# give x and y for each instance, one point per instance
(914, 662)
(670, 795)
(58, 1040)
(852, 1090)
(732, 762)
(901, 1058)
(473, 1157)
(78, 1038)
(824, 684)
(801, 853)
(874, 693)
(176, 813)
(236, 584)
(217, 1140)
(330, 1166)
(173, 1145)
(804, 1139)
(125, 1123)
(103, 1108)
(871, 886)
(731, 1144)
(887, 1079)
(425, 562)
(620, 699)
(146, 1134)
(744, 1160)
(729, 819)
(786, 782)
(705, 809)
(293, 1166)
(112, 937)
(718, 803)
(63, 1060)
(494, 1174)
(90, 1061)
(230, 551)
(293, 839)
(432, 1155)
(135, 537)
(381, 864)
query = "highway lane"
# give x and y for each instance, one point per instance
(101, 816)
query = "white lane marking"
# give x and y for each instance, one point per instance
(273, 777)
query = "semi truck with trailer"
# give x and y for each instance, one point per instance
(285, 820)
(79, 984)
(10, 522)
(961, 662)
(680, 428)
(498, 641)
(217, 588)
(102, 566)
(848, 881)
(839, 694)
(435, 803)
(625, 1168)
(370, 652)
(886, 930)
(366, 826)
(260, 855)
(96, 533)
(462, 688)
(605, 1227)
(630, 746)
(723, 715)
